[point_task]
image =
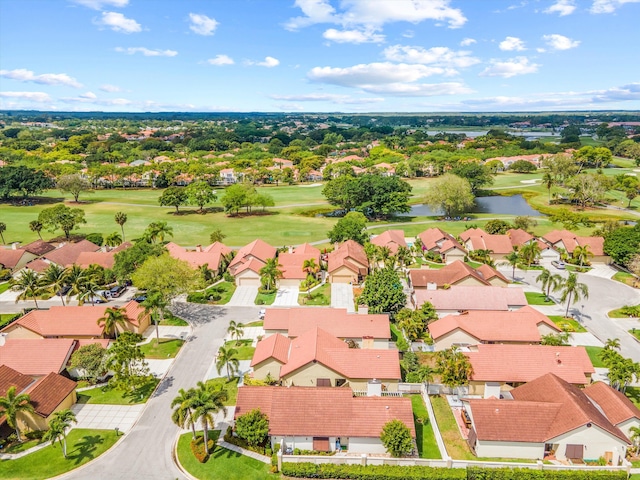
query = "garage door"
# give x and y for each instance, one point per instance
(248, 282)
(341, 279)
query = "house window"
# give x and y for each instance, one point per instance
(323, 382)
(321, 444)
(574, 451)
(340, 382)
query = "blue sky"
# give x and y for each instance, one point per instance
(319, 55)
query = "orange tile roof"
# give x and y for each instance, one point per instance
(37, 265)
(104, 259)
(481, 240)
(499, 326)
(571, 241)
(39, 247)
(519, 237)
(257, 249)
(49, 392)
(292, 264)
(489, 272)
(9, 257)
(392, 239)
(525, 363)
(36, 357)
(323, 412)
(67, 254)
(133, 310)
(337, 321)
(306, 248)
(349, 254)
(252, 264)
(274, 346)
(210, 255)
(615, 405)
(431, 237)
(12, 378)
(63, 321)
(448, 275)
(460, 297)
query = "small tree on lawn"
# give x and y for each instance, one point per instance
(253, 427)
(58, 426)
(396, 438)
(90, 361)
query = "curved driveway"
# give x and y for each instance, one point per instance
(146, 452)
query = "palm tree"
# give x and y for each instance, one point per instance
(112, 318)
(425, 374)
(54, 277)
(36, 226)
(310, 266)
(154, 305)
(549, 281)
(530, 253)
(548, 181)
(121, 219)
(403, 256)
(29, 283)
(227, 358)
(236, 329)
(156, 231)
(206, 402)
(183, 405)
(113, 240)
(573, 290)
(75, 277)
(58, 426)
(513, 259)
(270, 273)
(3, 227)
(612, 344)
(89, 290)
(12, 404)
(582, 254)
(635, 438)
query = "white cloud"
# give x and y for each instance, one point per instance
(29, 96)
(560, 42)
(268, 62)
(119, 23)
(421, 89)
(510, 44)
(467, 41)
(147, 52)
(375, 14)
(409, 34)
(99, 4)
(562, 7)
(440, 56)
(327, 97)
(110, 88)
(88, 95)
(609, 6)
(353, 36)
(201, 24)
(220, 60)
(24, 75)
(510, 68)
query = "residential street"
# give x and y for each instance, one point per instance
(147, 451)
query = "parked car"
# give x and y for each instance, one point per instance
(64, 290)
(140, 298)
(558, 264)
(117, 291)
(262, 313)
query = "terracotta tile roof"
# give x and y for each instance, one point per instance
(349, 254)
(274, 346)
(12, 378)
(337, 321)
(121, 247)
(478, 239)
(519, 237)
(104, 259)
(571, 241)
(38, 265)
(461, 298)
(307, 248)
(36, 357)
(49, 392)
(489, 272)
(323, 412)
(292, 264)
(450, 245)
(256, 249)
(103, 342)
(318, 346)
(62, 321)
(9, 257)
(438, 240)
(615, 405)
(525, 363)
(39, 247)
(392, 239)
(555, 236)
(67, 254)
(132, 310)
(448, 275)
(500, 326)
(252, 264)
(210, 255)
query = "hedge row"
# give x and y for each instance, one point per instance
(391, 472)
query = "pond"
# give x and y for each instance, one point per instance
(514, 205)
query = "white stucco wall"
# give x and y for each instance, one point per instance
(366, 445)
(627, 424)
(595, 440)
(457, 337)
(486, 448)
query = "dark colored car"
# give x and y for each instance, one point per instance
(64, 290)
(140, 298)
(117, 291)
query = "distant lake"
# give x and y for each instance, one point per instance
(514, 205)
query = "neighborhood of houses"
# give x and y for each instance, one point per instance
(334, 373)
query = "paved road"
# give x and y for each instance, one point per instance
(146, 452)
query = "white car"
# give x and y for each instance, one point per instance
(559, 265)
(262, 313)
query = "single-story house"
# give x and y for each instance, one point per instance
(368, 331)
(318, 359)
(38, 265)
(547, 417)
(67, 254)
(348, 263)
(324, 419)
(36, 357)
(499, 246)
(621, 411)
(39, 248)
(493, 276)
(568, 241)
(455, 273)
(247, 263)
(498, 368)
(392, 239)
(210, 255)
(460, 298)
(519, 237)
(104, 259)
(438, 241)
(525, 326)
(48, 395)
(292, 264)
(14, 258)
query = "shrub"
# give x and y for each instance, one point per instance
(631, 311)
(396, 438)
(479, 473)
(197, 447)
(228, 277)
(5, 274)
(96, 238)
(197, 297)
(371, 472)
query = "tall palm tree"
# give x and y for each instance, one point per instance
(549, 281)
(89, 290)
(548, 181)
(207, 401)
(513, 259)
(54, 277)
(75, 277)
(121, 219)
(12, 404)
(582, 254)
(270, 273)
(183, 409)
(154, 305)
(157, 231)
(573, 290)
(113, 240)
(403, 256)
(530, 253)
(29, 284)
(236, 329)
(227, 357)
(111, 319)
(310, 266)
(3, 227)
(635, 438)
(36, 226)
(58, 427)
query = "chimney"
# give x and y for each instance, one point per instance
(14, 245)
(363, 309)
(198, 248)
(374, 388)
(432, 286)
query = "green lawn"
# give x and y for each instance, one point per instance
(567, 324)
(635, 333)
(427, 446)
(167, 348)
(456, 446)
(83, 446)
(244, 348)
(231, 386)
(5, 318)
(4, 287)
(594, 356)
(626, 278)
(265, 298)
(319, 296)
(21, 447)
(222, 463)
(257, 323)
(633, 393)
(617, 313)
(173, 321)
(113, 396)
(534, 298)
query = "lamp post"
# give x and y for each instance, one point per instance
(117, 430)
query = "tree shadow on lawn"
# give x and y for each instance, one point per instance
(85, 449)
(184, 213)
(143, 391)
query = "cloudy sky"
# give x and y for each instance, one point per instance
(319, 55)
